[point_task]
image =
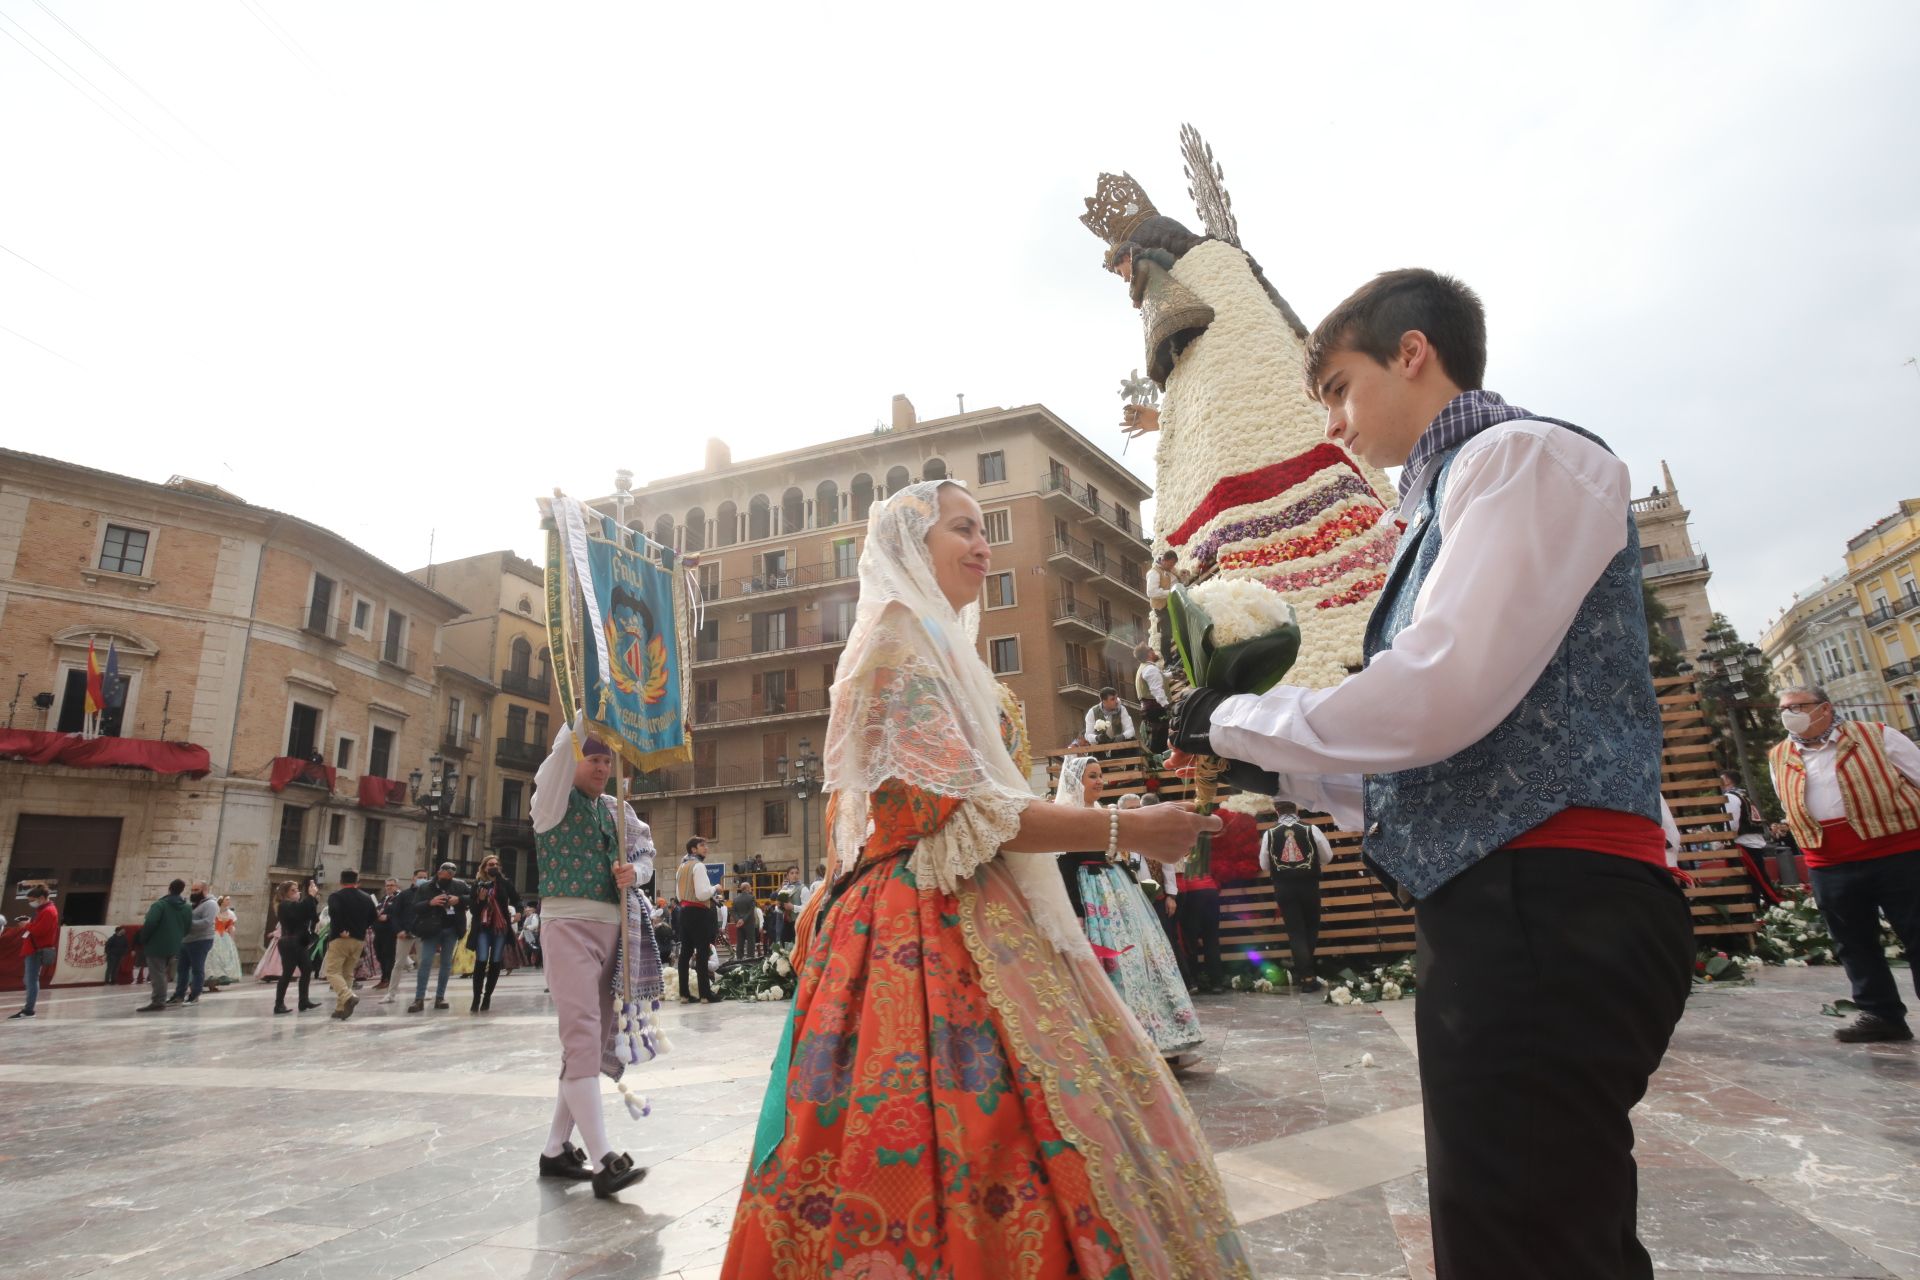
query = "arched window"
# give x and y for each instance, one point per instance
(546, 661)
(696, 534)
(663, 531)
(897, 479)
(759, 518)
(793, 511)
(862, 490)
(519, 656)
(826, 504)
(727, 525)
(934, 470)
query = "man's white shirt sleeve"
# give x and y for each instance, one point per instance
(1533, 514)
(553, 782)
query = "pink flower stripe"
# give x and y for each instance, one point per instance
(1289, 517)
(1369, 556)
(1349, 523)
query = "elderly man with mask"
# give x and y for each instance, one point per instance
(1851, 792)
(584, 877)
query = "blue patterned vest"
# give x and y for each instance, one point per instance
(576, 857)
(1587, 734)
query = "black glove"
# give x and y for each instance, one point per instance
(1192, 720)
(1251, 777)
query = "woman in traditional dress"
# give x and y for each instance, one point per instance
(960, 1091)
(1128, 940)
(223, 962)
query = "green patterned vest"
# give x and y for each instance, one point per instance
(576, 857)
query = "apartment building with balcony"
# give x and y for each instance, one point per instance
(778, 540)
(503, 696)
(1673, 564)
(1883, 567)
(1822, 639)
(296, 665)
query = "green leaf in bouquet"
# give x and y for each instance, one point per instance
(1717, 966)
(1256, 665)
(1190, 627)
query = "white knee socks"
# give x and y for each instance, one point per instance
(562, 1127)
(582, 1098)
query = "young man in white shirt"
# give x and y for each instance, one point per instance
(1150, 685)
(699, 920)
(1109, 712)
(1500, 753)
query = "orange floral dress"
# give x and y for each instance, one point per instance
(916, 1146)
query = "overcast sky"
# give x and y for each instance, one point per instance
(400, 268)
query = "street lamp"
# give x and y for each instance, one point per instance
(803, 779)
(436, 801)
(1724, 681)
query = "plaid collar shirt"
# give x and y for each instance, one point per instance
(1466, 416)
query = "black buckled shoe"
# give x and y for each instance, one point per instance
(618, 1172)
(1871, 1027)
(571, 1163)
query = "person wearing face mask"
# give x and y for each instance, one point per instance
(1851, 792)
(436, 913)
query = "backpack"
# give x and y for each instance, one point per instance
(1290, 849)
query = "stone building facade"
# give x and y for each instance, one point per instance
(1674, 565)
(1883, 567)
(779, 541)
(254, 634)
(1821, 639)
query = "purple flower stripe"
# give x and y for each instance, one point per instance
(1347, 486)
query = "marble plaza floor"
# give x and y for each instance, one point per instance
(222, 1141)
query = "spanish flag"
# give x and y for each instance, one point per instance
(96, 693)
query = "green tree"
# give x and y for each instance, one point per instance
(1665, 653)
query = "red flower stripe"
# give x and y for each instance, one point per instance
(1260, 485)
(1354, 520)
(1289, 517)
(1354, 594)
(1372, 555)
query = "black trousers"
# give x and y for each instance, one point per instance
(384, 946)
(294, 957)
(1550, 983)
(1297, 894)
(1851, 896)
(1200, 930)
(697, 929)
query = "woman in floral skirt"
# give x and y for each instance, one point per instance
(960, 1091)
(1125, 936)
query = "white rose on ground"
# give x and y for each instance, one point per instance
(1340, 995)
(1263, 986)
(1390, 991)
(1893, 953)
(781, 966)
(1366, 1059)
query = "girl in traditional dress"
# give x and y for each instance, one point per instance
(1120, 925)
(960, 1091)
(223, 962)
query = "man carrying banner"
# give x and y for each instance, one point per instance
(583, 882)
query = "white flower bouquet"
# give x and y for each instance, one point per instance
(1233, 635)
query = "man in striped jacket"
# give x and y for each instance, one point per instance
(1851, 792)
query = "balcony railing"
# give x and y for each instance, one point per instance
(453, 742)
(1073, 557)
(806, 575)
(793, 702)
(1653, 502)
(395, 655)
(1668, 568)
(515, 832)
(698, 778)
(1074, 677)
(1898, 607)
(287, 853)
(746, 646)
(1089, 502)
(511, 753)
(1902, 670)
(316, 621)
(1078, 613)
(539, 688)
(1131, 576)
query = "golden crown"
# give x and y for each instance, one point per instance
(1116, 207)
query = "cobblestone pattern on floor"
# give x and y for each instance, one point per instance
(223, 1141)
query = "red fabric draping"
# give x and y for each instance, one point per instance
(291, 769)
(37, 747)
(378, 793)
(1236, 848)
